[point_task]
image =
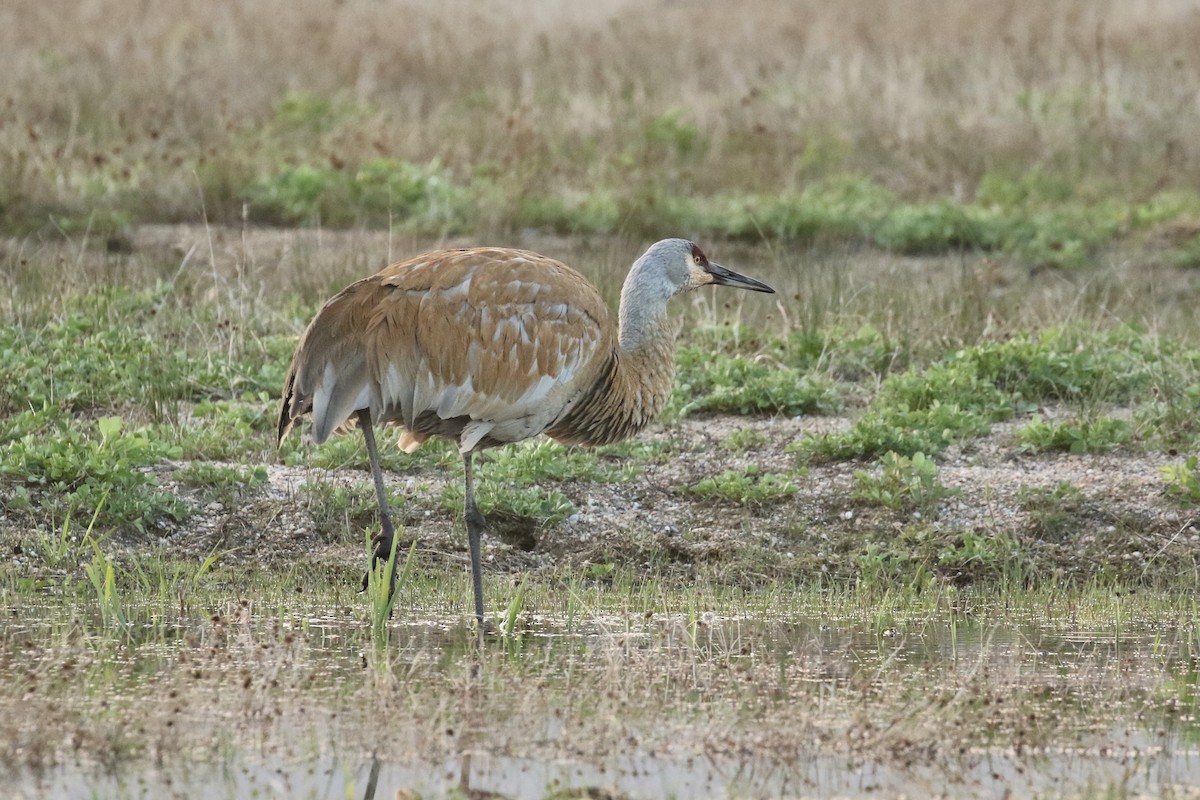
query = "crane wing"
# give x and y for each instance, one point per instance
(494, 342)
(483, 345)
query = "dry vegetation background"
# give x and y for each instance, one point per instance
(137, 109)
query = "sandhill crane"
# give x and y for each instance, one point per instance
(491, 345)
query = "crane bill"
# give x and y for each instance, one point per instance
(727, 277)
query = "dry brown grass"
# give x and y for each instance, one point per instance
(163, 99)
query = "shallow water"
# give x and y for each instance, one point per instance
(300, 702)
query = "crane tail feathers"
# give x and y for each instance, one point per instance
(472, 434)
(340, 393)
(290, 409)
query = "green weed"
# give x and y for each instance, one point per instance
(379, 586)
(743, 440)
(902, 482)
(227, 430)
(512, 615)
(1186, 255)
(747, 487)
(1053, 513)
(63, 548)
(1183, 481)
(349, 452)
(543, 459)
(884, 429)
(72, 471)
(925, 409)
(226, 484)
(1101, 435)
(708, 382)
(337, 508)
(1068, 365)
(847, 355)
(1172, 416)
(535, 503)
(950, 382)
(975, 556)
(380, 191)
(640, 450)
(112, 348)
(101, 575)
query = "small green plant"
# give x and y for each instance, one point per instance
(884, 429)
(538, 460)
(102, 576)
(881, 566)
(1066, 365)
(902, 482)
(747, 487)
(380, 582)
(947, 383)
(172, 578)
(743, 440)
(74, 471)
(1183, 480)
(508, 626)
(342, 452)
(112, 348)
(654, 451)
(337, 507)
(227, 430)
(417, 197)
(714, 382)
(1186, 255)
(225, 484)
(61, 550)
(1053, 513)
(535, 503)
(1172, 417)
(1100, 435)
(976, 555)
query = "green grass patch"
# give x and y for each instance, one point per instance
(536, 504)
(222, 483)
(71, 473)
(539, 460)
(744, 440)
(900, 430)
(1100, 435)
(349, 451)
(902, 483)
(747, 487)
(1185, 255)
(927, 408)
(338, 508)
(715, 382)
(1054, 513)
(1183, 481)
(227, 430)
(114, 347)
(380, 191)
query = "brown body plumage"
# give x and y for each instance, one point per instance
(492, 345)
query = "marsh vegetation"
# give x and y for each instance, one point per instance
(928, 521)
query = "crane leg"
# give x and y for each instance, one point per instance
(475, 526)
(382, 540)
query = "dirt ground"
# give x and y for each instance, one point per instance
(1120, 523)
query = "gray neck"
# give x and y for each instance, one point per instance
(643, 312)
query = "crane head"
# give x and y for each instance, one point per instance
(702, 272)
(677, 265)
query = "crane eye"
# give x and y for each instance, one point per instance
(698, 260)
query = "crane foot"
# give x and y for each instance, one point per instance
(381, 552)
